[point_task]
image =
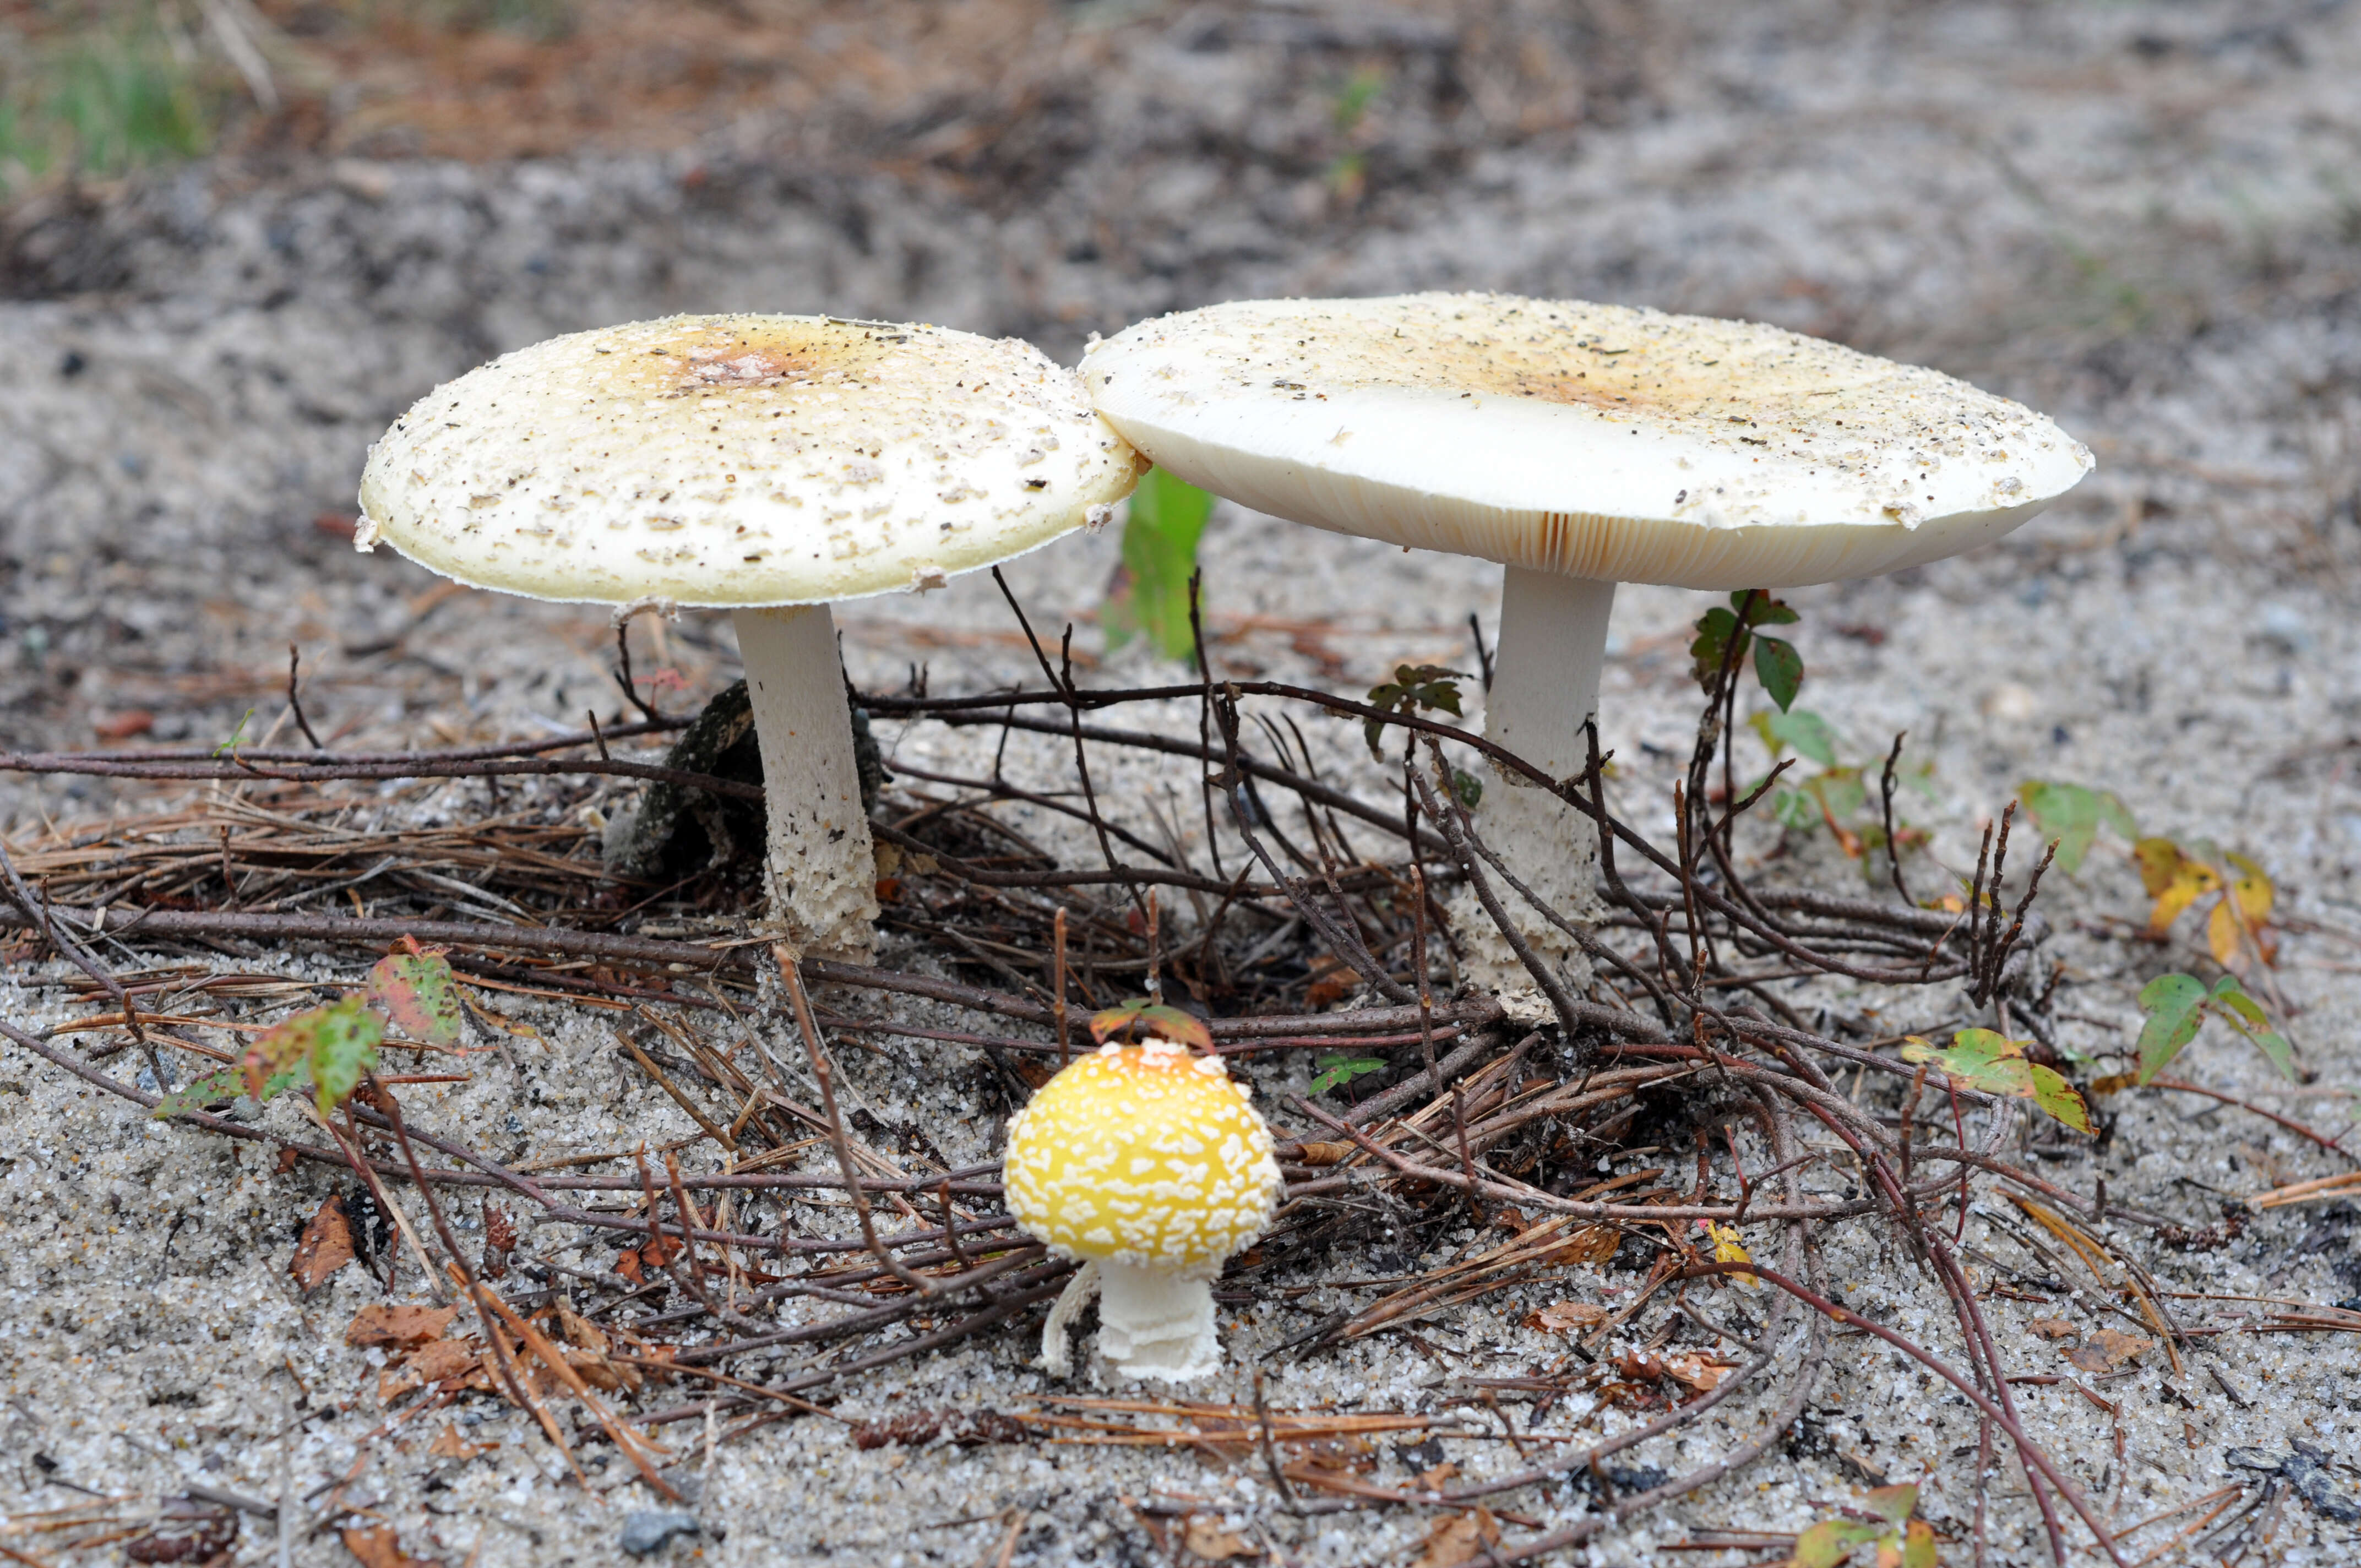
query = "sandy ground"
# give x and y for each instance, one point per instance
(2142, 220)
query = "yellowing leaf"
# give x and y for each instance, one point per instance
(1918, 1545)
(2173, 878)
(1730, 1247)
(1981, 1059)
(2223, 934)
(2252, 890)
(1830, 1541)
(1894, 1503)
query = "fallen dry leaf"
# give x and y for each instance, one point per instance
(449, 1444)
(1205, 1537)
(1701, 1373)
(124, 726)
(1459, 1539)
(325, 1246)
(1563, 1317)
(398, 1328)
(382, 1547)
(2053, 1328)
(2108, 1350)
(1432, 1477)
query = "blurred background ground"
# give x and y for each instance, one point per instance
(241, 236)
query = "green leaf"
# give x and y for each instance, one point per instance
(2229, 1000)
(1414, 685)
(1335, 1071)
(2175, 1005)
(1918, 1546)
(341, 1048)
(1764, 726)
(1794, 808)
(1807, 732)
(1761, 609)
(1151, 596)
(1715, 628)
(226, 1084)
(418, 995)
(1779, 669)
(1840, 790)
(1467, 787)
(2117, 816)
(2068, 813)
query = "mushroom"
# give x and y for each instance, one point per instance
(1580, 445)
(1147, 1164)
(769, 464)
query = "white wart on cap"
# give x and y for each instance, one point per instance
(758, 463)
(1580, 446)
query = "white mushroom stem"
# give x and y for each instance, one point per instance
(1159, 1322)
(822, 869)
(1544, 686)
(1057, 1347)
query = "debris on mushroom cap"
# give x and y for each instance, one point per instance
(1144, 1155)
(1594, 441)
(742, 460)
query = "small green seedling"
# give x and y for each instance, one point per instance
(2177, 1006)
(1156, 1018)
(1981, 1059)
(1901, 1541)
(1416, 687)
(1776, 663)
(236, 736)
(1338, 1070)
(1149, 596)
(2073, 815)
(334, 1048)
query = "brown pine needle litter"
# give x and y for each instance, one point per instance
(761, 1267)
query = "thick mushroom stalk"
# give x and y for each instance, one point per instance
(1149, 1165)
(1580, 446)
(760, 464)
(1552, 645)
(820, 864)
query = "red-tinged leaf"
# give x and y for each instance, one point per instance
(1918, 1545)
(1156, 1018)
(417, 994)
(325, 1246)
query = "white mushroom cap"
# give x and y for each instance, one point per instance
(742, 460)
(1592, 440)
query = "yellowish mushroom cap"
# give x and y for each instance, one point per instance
(1142, 1154)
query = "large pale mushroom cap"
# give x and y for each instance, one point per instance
(742, 460)
(1593, 441)
(1142, 1154)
